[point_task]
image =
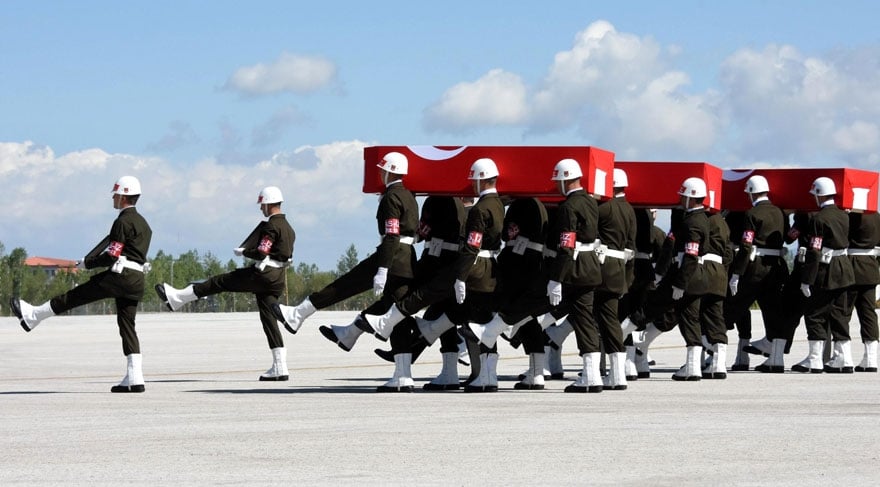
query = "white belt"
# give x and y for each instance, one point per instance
(643, 255)
(585, 247)
(436, 246)
(869, 252)
(617, 254)
(549, 253)
(487, 253)
(122, 262)
(759, 251)
(407, 240)
(520, 244)
(827, 254)
(711, 258)
(267, 262)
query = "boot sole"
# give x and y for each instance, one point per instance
(528, 387)
(440, 387)
(394, 389)
(328, 334)
(865, 369)
(127, 389)
(584, 389)
(16, 310)
(690, 378)
(276, 311)
(160, 290)
(470, 388)
(280, 378)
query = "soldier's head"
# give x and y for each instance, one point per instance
(757, 188)
(619, 181)
(692, 193)
(270, 199)
(567, 173)
(823, 189)
(484, 174)
(126, 192)
(393, 167)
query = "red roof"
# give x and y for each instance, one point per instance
(49, 262)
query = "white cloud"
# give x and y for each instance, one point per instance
(289, 73)
(61, 205)
(497, 98)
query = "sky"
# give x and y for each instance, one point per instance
(209, 102)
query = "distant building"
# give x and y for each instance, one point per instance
(51, 266)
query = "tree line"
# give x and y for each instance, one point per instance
(36, 286)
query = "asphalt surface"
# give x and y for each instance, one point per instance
(205, 419)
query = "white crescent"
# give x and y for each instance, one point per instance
(433, 153)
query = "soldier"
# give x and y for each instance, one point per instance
(759, 272)
(470, 280)
(827, 274)
(124, 252)
(387, 271)
(716, 261)
(617, 232)
(271, 245)
(864, 239)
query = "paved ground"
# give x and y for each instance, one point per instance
(206, 420)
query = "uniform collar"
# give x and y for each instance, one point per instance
(760, 200)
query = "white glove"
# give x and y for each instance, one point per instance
(677, 293)
(460, 291)
(734, 284)
(379, 280)
(239, 251)
(805, 290)
(657, 279)
(554, 292)
(81, 264)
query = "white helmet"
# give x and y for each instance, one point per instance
(484, 168)
(693, 188)
(270, 195)
(757, 184)
(620, 180)
(394, 162)
(823, 187)
(566, 169)
(127, 186)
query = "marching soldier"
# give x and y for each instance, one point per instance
(864, 239)
(759, 272)
(271, 245)
(470, 280)
(124, 252)
(388, 271)
(617, 232)
(827, 273)
(716, 261)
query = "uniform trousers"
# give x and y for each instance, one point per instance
(863, 298)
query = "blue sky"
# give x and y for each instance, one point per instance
(207, 102)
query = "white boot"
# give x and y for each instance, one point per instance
(775, 363)
(30, 315)
(813, 362)
(487, 334)
(690, 371)
(293, 316)
(718, 368)
(642, 366)
(402, 380)
(759, 347)
(134, 376)
(509, 332)
(590, 379)
(741, 362)
(553, 358)
(534, 379)
(175, 298)
(344, 336)
(559, 333)
(278, 370)
(383, 325)
(431, 330)
(629, 367)
(487, 381)
(841, 363)
(869, 360)
(546, 320)
(627, 327)
(616, 378)
(448, 378)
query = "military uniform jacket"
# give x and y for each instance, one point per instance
(764, 227)
(273, 238)
(643, 266)
(482, 232)
(524, 223)
(718, 244)
(442, 219)
(617, 231)
(397, 216)
(577, 220)
(689, 239)
(828, 229)
(129, 237)
(864, 233)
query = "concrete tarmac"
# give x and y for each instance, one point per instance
(206, 420)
